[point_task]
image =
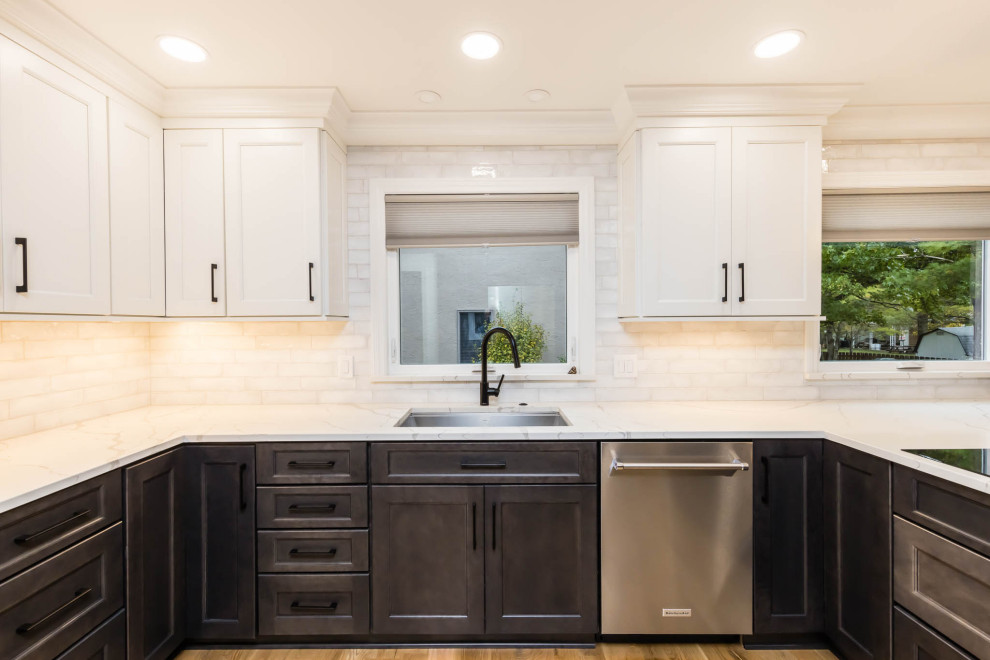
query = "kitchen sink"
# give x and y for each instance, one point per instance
(468, 418)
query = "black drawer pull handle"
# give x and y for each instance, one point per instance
(311, 298)
(742, 282)
(240, 486)
(23, 286)
(213, 283)
(27, 539)
(299, 607)
(312, 507)
(29, 628)
(766, 480)
(725, 284)
(496, 465)
(311, 465)
(329, 554)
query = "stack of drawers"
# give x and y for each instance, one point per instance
(62, 575)
(312, 539)
(941, 569)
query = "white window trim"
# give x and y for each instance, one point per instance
(815, 369)
(580, 281)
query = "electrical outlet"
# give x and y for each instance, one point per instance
(624, 366)
(345, 367)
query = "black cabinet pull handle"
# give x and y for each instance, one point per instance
(299, 607)
(725, 284)
(742, 281)
(494, 523)
(311, 465)
(28, 628)
(27, 539)
(311, 298)
(213, 283)
(474, 525)
(23, 286)
(329, 554)
(766, 479)
(312, 507)
(493, 465)
(244, 502)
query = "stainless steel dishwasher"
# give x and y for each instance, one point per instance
(677, 538)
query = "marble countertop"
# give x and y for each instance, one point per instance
(36, 465)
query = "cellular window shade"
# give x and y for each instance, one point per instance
(505, 219)
(906, 216)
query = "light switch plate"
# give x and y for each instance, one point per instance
(625, 366)
(345, 367)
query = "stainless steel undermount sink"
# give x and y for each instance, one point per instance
(485, 418)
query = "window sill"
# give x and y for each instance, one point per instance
(897, 375)
(476, 378)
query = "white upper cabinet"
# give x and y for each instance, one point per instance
(720, 222)
(335, 205)
(137, 212)
(54, 207)
(272, 190)
(686, 245)
(777, 222)
(194, 223)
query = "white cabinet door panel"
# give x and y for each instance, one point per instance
(335, 244)
(53, 177)
(137, 212)
(686, 221)
(194, 223)
(776, 199)
(272, 192)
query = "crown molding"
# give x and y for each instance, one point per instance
(41, 28)
(905, 122)
(901, 180)
(537, 127)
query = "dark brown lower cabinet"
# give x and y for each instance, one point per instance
(789, 580)
(220, 542)
(427, 560)
(541, 569)
(913, 640)
(104, 643)
(858, 599)
(156, 617)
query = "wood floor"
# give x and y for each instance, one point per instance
(600, 652)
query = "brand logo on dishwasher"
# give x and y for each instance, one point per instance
(676, 612)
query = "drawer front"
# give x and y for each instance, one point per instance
(960, 513)
(944, 584)
(488, 462)
(38, 530)
(913, 640)
(47, 608)
(302, 605)
(289, 463)
(105, 643)
(309, 551)
(312, 507)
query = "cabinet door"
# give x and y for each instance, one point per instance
(776, 220)
(137, 212)
(686, 236)
(272, 193)
(335, 245)
(53, 173)
(541, 569)
(427, 553)
(194, 244)
(220, 542)
(787, 526)
(155, 557)
(858, 599)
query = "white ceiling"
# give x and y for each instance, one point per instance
(378, 53)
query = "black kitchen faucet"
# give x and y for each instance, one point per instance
(486, 390)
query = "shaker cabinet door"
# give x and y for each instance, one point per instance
(53, 174)
(194, 218)
(272, 194)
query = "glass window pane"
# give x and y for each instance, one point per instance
(449, 297)
(903, 300)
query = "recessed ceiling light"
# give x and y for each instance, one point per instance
(779, 43)
(481, 45)
(182, 49)
(428, 96)
(537, 95)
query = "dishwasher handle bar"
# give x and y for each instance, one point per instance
(735, 464)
